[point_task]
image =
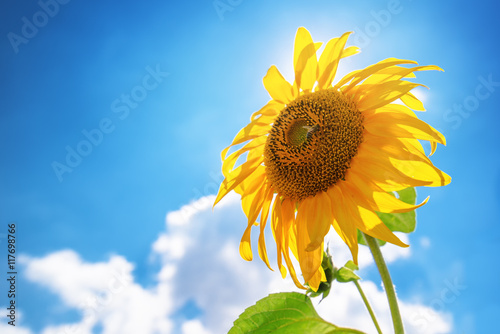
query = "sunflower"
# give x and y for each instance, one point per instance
(323, 154)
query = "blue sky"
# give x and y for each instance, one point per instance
(161, 88)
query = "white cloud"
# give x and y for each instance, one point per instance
(64, 273)
(5, 328)
(8, 329)
(201, 266)
(186, 212)
(422, 319)
(194, 327)
(392, 252)
(103, 292)
(211, 273)
(425, 242)
(344, 307)
(83, 327)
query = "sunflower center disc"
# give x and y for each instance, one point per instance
(311, 143)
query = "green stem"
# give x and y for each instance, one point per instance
(386, 279)
(367, 304)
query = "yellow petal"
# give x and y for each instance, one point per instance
(229, 162)
(388, 108)
(379, 95)
(236, 176)
(263, 220)
(414, 143)
(293, 243)
(318, 277)
(357, 76)
(412, 102)
(245, 246)
(329, 60)
(250, 186)
(401, 125)
(350, 51)
(253, 130)
(305, 60)
(343, 223)
(376, 199)
(272, 108)
(309, 261)
(252, 213)
(387, 74)
(382, 172)
(397, 73)
(288, 215)
(419, 164)
(368, 222)
(404, 156)
(316, 213)
(256, 153)
(422, 170)
(371, 224)
(277, 229)
(317, 45)
(253, 207)
(398, 148)
(433, 147)
(279, 89)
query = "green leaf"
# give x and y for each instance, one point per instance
(346, 273)
(281, 313)
(398, 222)
(402, 222)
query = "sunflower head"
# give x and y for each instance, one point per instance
(311, 143)
(327, 154)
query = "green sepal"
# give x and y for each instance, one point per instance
(398, 222)
(346, 273)
(286, 312)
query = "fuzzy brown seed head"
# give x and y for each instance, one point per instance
(311, 143)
